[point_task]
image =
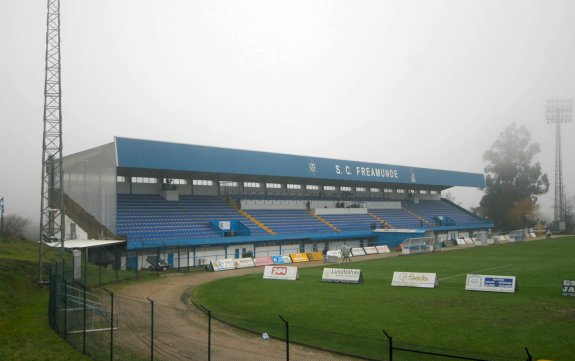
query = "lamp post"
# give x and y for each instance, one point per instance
(1, 215)
(557, 112)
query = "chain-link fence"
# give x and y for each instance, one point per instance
(106, 326)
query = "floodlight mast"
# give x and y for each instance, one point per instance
(559, 111)
(52, 194)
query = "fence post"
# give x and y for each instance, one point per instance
(85, 268)
(390, 342)
(65, 309)
(209, 335)
(117, 261)
(529, 358)
(84, 322)
(152, 333)
(111, 324)
(287, 337)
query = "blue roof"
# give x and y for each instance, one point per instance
(146, 154)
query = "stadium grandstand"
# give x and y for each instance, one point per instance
(199, 203)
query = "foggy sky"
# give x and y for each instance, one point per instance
(427, 83)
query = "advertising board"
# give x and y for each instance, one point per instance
(223, 264)
(279, 272)
(382, 249)
(298, 257)
(370, 250)
(357, 251)
(281, 259)
(244, 262)
(491, 283)
(315, 256)
(263, 261)
(568, 288)
(415, 279)
(342, 275)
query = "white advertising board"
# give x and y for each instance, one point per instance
(223, 264)
(415, 279)
(244, 262)
(460, 242)
(279, 272)
(382, 249)
(491, 283)
(370, 250)
(357, 251)
(336, 254)
(224, 225)
(342, 275)
(568, 288)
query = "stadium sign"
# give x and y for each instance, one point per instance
(223, 264)
(342, 275)
(359, 171)
(244, 262)
(568, 288)
(415, 279)
(279, 272)
(491, 283)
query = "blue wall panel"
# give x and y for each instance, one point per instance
(134, 153)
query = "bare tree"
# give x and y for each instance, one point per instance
(14, 226)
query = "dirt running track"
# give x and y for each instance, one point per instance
(180, 329)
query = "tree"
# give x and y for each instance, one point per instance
(512, 181)
(14, 226)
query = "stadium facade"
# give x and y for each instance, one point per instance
(225, 203)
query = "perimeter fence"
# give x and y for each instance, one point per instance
(106, 326)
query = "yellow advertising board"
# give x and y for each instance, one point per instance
(315, 256)
(298, 257)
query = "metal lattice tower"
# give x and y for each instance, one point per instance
(52, 204)
(559, 111)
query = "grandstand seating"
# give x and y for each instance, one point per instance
(289, 221)
(397, 218)
(430, 209)
(351, 222)
(152, 218)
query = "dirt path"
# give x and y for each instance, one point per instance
(180, 329)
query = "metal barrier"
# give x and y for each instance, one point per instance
(107, 326)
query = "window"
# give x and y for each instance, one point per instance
(312, 187)
(433, 192)
(374, 190)
(359, 189)
(387, 190)
(177, 181)
(345, 189)
(202, 182)
(273, 185)
(251, 185)
(146, 180)
(422, 191)
(228, 184)
(400, 191)
(329, 188)
(294, 186)
(121, 179)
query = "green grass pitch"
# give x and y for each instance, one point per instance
(350, 318)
